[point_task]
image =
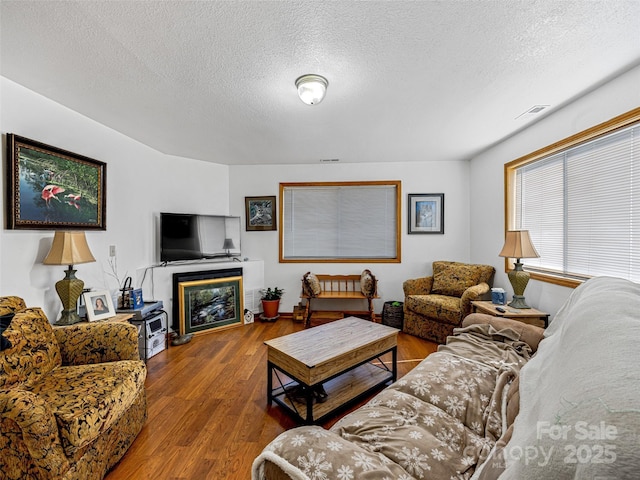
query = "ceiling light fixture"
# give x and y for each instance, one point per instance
(311, 88)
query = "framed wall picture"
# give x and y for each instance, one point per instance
(426, 213)
(99, 305)
(260, 213)
(50, 188)
(209, 305)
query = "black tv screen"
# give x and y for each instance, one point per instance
(194, 237)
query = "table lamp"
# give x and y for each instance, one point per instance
(228, 245)
(69, 248)
(517, 244)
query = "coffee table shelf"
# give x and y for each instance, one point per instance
(337, 356)
(342, 391)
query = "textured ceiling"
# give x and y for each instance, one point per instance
(408, 80)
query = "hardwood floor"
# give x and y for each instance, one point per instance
(208, 415)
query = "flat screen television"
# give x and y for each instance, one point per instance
(194, 237)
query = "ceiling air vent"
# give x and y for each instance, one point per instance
(536, 109)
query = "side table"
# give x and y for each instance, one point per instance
(526, 315)
(119, 317)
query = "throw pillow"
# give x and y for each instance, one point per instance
(5, 320)
(8, 307)
(368, 283)
(11, 304)
(311, 285)
(453, 279)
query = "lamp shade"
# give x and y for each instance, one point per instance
(517, 244)
(311, 88)
(69, 248)
(228, 244)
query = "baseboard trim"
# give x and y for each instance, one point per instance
(357, 313)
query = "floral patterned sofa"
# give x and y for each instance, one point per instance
(435, 305)
(439, 421)
(72, 399)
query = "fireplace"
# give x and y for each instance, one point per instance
(181, 279)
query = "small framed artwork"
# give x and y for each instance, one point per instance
(260, 213)
(99, 305)
(50, 188)
(209, 305)
(426, 213)
(136, 298)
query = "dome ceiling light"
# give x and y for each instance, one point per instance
(311, 88)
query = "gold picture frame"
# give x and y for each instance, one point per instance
(210, 305)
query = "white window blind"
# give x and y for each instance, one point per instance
(340, 221)
(582, 207)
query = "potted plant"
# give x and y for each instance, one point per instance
(271, 302)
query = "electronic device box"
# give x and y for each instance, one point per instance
(152, 334)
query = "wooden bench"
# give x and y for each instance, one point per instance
(338, 287)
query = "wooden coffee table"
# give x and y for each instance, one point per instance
(336, 356)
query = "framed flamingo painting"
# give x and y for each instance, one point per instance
(51, 188)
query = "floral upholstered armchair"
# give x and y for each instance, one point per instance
(72, 399)
(435, 305)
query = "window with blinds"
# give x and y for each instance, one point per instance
(340, 221)
(581, 204)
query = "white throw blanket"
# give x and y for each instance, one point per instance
(580, 394)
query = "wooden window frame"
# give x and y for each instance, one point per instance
(605, 128)
(397, 184)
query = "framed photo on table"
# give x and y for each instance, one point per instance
(260, 213)
(50, 188)
(426, 213)
(99, 305)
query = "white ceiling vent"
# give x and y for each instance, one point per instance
(536, 109)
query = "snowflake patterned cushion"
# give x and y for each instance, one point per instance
(441, 420)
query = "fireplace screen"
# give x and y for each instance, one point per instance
(209, 305)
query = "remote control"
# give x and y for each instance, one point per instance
(500, 309)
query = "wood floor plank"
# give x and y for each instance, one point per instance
(208, 414)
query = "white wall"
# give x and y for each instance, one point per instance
(141, 182)
(487, 190)
(418, 251)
